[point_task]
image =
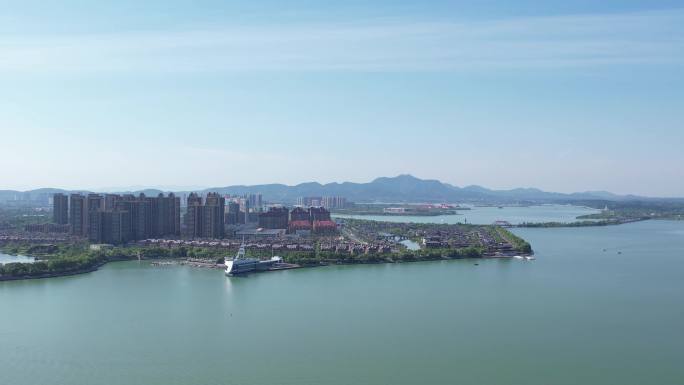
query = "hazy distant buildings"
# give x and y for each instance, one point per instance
(244, 205)
(255, 201)
(329, 202)
(309, 201)
(60, 209)
(334, 202)
(232, 216)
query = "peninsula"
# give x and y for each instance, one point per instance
(354, 242)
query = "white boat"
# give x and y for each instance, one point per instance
(242, 265)
(518, 256)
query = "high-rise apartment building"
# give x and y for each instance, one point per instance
(95, 202)
(60, 209)
(205, 219)
(107, 226)
(77, 215)
(213, 216)
(140, 215)
(110, 200)
(193, 216)
(274, 218)
(165, 215)
(318, 214)
(123, 218)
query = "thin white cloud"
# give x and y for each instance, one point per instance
(582, 40)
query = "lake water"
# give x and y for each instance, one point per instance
(488, 215)
(576, 315)
(5, 258)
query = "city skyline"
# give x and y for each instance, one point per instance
(561, 97)
(122, 219)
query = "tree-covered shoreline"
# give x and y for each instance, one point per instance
(79, 259)
(76, 259)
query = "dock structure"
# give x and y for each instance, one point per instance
(213, 265)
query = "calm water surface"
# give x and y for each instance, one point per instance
(488, 215)
(6, 258)
(576, 315)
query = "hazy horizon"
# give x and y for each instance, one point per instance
(564, 97)
(178, 188)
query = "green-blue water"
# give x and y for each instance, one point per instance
(488, 215)
(6, 258)
(576, 315)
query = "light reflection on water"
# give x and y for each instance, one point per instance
(488, 215)
(5, 258)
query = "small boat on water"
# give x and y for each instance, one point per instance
(530, 258)
(518, 257)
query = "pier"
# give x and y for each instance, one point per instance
(212, 265)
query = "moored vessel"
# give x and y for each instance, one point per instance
(242, 265)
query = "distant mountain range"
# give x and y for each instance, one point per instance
(407, 188)
(402, 188)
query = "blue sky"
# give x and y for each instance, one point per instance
(564, 96)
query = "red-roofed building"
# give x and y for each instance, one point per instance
(324, 227)
(299, 225)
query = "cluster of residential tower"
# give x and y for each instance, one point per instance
(114, 218)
